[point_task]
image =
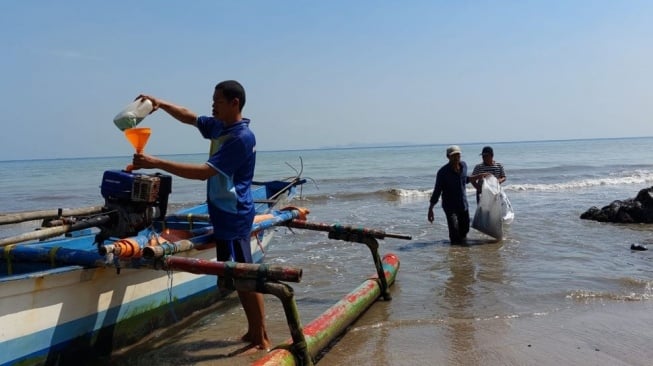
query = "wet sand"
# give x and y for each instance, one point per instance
(603, 334)
(596, 334)
(197, 340)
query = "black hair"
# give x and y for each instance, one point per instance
(232, 89)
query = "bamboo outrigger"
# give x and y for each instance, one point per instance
(307, 343)
(16, 217)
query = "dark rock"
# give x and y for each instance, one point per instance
(645, 196)
(632, 210)
(638, 247)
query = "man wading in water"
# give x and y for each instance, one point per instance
(450, 182)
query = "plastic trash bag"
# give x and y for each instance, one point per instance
(493, 210)
(507, 213)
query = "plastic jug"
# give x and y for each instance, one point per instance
(133, 114)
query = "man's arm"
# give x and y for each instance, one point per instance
(502, 174)
(184, 170)
(180, 113)
(435, 196)
(476, 178)
(475, 183)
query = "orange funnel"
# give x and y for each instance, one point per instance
(138, 137)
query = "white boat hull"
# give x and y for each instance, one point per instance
(63, 311)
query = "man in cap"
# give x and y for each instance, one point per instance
(488, 166)
(228, 171)
(450, 182)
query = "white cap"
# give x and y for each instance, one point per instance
(453, 149)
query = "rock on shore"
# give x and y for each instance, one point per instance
(632, 210)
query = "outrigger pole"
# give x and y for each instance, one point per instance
(45, 233)
(16, 217)
(307, 342)
(139, 245)
(232, 270)
(250, 277)
(355, 234)
(345, 230)
(319, 333)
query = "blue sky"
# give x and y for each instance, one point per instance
(328, 73)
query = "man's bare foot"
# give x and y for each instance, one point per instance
(263, 344)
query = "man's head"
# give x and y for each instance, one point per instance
(231, 89)
(453, 149)
(228, 101)
(453, 152)
(488, 155)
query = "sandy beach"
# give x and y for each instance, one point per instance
(594, 334)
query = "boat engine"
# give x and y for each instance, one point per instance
(132, 201)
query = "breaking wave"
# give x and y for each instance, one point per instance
(639, 177)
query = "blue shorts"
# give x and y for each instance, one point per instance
(237, 250)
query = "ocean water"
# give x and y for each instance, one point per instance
(550, 262)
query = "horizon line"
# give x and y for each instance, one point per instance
(353, 146)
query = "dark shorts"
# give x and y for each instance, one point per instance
(237, 250)
(458, 223)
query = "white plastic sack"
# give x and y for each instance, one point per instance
(507, 214)
(493, 209)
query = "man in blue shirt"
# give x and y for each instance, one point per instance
(450, 182)
(229, 171)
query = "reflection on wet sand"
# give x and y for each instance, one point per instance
(469, 267)
(459, 295)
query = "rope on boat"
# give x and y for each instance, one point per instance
(53, 256)
(7, 253)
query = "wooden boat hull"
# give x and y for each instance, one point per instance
(65, 313)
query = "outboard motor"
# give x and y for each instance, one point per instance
(132, 201)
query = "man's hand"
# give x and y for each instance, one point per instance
(156, 103)
(430, 215)
(476, 179)
(141, 161)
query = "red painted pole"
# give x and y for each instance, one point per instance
(233, 269)
(323, 330)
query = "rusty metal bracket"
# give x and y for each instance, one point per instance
(286, 294)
